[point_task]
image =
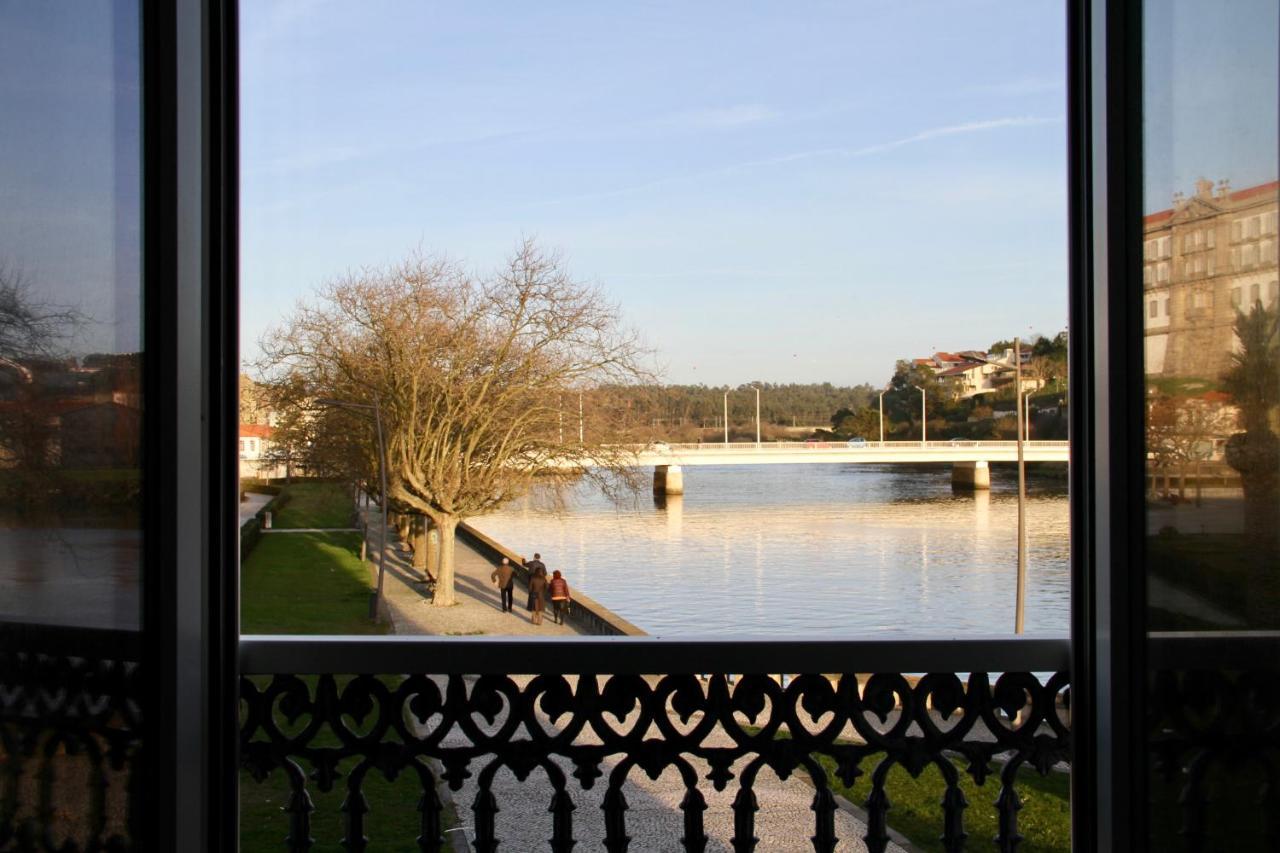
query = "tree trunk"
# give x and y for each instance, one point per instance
(433, 548)
(420, 541)
(444, 597)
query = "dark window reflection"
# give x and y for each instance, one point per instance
(70, 314)
(71, 407)
(1211, 316)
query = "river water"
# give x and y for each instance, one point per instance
(808, 550)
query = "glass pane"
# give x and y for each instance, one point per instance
(1212, 363)
(70, 424)
(70, 315)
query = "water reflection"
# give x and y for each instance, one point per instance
(809, 549)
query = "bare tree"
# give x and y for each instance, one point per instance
(474, 378)
(31, 330)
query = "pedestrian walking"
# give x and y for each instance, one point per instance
(535, 566)
(504, 575)
(538, 594)
(559, 588)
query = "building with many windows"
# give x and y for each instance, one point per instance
(1209, 256)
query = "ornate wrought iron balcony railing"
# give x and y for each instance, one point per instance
(591, 712)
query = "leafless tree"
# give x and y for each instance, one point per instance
(477, 378)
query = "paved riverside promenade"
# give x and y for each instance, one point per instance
(654, 820)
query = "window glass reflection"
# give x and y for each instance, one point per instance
(1212, 367)
(70, 315)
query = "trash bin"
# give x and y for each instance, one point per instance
(266, 521)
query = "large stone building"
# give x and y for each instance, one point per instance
(1207, 257)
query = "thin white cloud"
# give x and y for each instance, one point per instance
(841, 151)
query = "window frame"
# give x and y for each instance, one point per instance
(194, 141)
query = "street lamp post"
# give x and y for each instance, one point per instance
(924, 418)
(1021, 600)
(882, 418)
(757, 417)
(726, 417)
(376, 599)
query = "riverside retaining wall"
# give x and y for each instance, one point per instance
(586, 613)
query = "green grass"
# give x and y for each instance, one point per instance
(306, 583)
(916, 810)
(393, 821)
(916, 805)
(316, 504)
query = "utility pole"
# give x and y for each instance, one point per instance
(1021, 603)
(581, 431)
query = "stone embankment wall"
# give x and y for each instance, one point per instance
(586, 613)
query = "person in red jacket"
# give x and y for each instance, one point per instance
(559, 589)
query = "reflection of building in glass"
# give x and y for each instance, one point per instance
(1204, 259)
(71, 414)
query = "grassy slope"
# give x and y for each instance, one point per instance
(316, 504)
(306, 583)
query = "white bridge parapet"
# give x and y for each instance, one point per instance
(791, 452)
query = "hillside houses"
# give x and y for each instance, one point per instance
(971, 373)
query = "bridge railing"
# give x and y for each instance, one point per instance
(802, 446)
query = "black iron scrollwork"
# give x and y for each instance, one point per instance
(69, 740)
(599, 729)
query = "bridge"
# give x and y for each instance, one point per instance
(969, 459)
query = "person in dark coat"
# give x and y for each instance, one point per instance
(538, 594)
(559, 589)
(534, 566)
(504, 575)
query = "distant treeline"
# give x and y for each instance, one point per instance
(669, 408)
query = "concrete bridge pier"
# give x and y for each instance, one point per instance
(970, 476)
(668, 480)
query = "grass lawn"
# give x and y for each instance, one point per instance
(916, 805)
(316, 504)
(306, 583)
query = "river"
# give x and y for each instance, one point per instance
(808, 551)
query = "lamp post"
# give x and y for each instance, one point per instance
(757, 387)
(726, 417)
(376, 598)
(924, 418)
(1020, 602)
(882, 418)
(581, 430)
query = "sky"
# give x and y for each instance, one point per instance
(768, 191)
(766, 195)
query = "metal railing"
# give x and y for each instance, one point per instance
(462, 710)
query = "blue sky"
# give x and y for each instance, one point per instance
(768, 191)
(766, 194)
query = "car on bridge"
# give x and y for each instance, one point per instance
(856, 442)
